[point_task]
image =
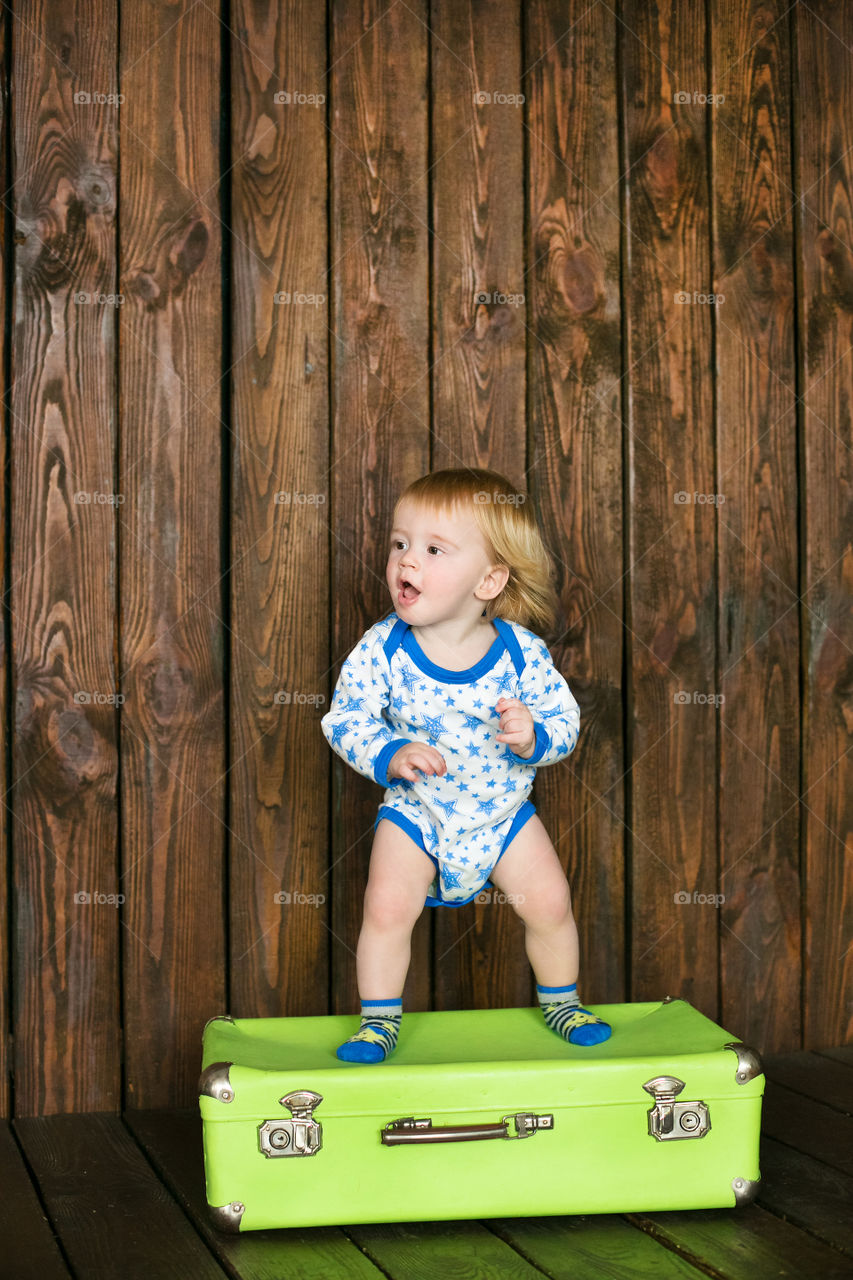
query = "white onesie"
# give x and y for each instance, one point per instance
(390, 693)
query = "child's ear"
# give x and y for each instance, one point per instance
(494, 582)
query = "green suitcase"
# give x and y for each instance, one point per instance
(479, 1113)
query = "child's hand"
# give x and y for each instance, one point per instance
(415, 755)
(516, 726)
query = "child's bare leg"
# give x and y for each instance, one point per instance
(529, 872)
(399, 877)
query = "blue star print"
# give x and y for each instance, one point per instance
(389, 693)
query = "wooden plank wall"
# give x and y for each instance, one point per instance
(309, 255)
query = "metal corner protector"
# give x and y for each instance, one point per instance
(745, 1189)
(227, 1217)
(748, 1061)
(214, 1082)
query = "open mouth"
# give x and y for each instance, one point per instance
(407, 594)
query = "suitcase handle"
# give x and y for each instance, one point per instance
(409, 1130)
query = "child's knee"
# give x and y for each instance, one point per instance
(546, 910)
(391, 904)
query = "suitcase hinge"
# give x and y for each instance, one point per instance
(671, 1119)
(300, 1136)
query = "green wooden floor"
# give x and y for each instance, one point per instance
(106, 1197)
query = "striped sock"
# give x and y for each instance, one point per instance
(564, 1014)
(377, 1035)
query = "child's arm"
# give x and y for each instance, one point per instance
(552, 706)
(354, 725)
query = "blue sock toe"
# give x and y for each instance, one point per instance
(377, 1035)
(357, 1051)
(566, 1015)
(592, 1033)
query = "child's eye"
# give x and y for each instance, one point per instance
(435, 548)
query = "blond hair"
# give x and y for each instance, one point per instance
(508, 525)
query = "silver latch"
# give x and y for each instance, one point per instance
(671, 1119)
(300, 1136)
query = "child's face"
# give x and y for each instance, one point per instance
(445, 559)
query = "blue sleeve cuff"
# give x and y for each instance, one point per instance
(380, 764)
(543, 742)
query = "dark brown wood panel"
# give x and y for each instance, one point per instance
(743, 1244)
(279, 518)
(589, 1246)
(824, 36)
(380, 389)
(5, 480)
(670, 542)
(171, 641)
(113, 1214)
(575, 465)
(172, 1141)
(758, 619)
(245, 315)
(62, 561)
(825, 1211)
(477, 371)
(30, 1251)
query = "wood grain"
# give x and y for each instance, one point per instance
(30, 1251)
(279, 517)
(670, 562)
(572, 279)
(824, 35)
(758, 623)
(173, 1142)
(478, 375)
(5, 736)
(114, 1215)
(172, 629)
(380, 410)
(383, 198)
(62, 560)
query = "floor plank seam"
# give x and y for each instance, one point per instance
(805, 1228)
(809, 1155)
(203, 1233)
(516, 1249)
(809, 1097)
(651, 1228)
(365, 1252)
(34, 1182)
